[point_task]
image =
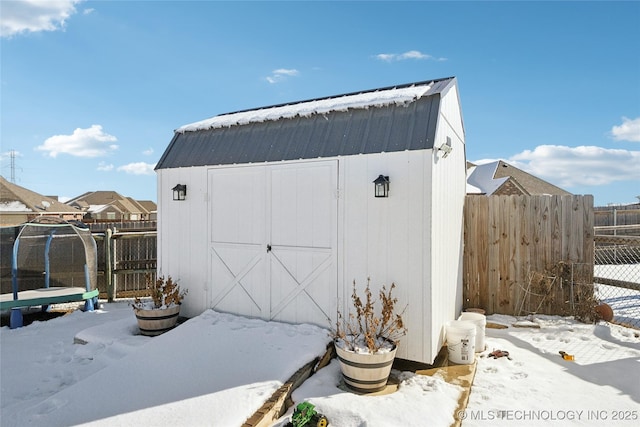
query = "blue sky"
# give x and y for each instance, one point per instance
(91, 91)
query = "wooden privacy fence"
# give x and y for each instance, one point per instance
(124, 261)
(528, 254)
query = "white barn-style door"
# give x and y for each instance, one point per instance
(273, 234)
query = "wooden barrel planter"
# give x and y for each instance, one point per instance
(157, 321)
(365, 373)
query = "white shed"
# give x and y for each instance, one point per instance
(279, 216)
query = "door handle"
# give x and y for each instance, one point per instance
(268, 248)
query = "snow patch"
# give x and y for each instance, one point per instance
(14, 206)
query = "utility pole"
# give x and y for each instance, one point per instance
(12, 155)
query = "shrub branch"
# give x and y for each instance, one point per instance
(365, 324)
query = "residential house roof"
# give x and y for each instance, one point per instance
(149, 205)
(14, 198)
(501, 178)
(98, 201)
(374, 121)
(97, 197)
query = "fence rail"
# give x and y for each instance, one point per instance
(617, 215)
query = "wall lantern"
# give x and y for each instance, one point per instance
(381, 186)
(180, 192)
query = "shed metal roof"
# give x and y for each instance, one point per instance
(311, 129)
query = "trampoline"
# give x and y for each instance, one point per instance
(53, 261)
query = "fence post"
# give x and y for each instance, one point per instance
(108, 269)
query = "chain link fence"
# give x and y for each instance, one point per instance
(617, 272)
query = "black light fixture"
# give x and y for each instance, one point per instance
(381, 186)
(180, 192)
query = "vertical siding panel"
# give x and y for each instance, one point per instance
(416, 256)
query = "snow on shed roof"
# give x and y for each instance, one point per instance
(388, 119)
(378, 98)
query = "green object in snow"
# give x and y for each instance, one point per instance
(305, 415)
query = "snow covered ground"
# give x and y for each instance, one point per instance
(536, 386)
(624, 302)
(217, 369)
(627, 272)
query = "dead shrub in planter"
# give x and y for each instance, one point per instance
(164, 293)
(368, 327)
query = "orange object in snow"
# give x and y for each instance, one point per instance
(567, 356)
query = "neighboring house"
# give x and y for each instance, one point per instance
(19, 205)
(111, 206)
(271, 213)
(150, 207)
(502, 179)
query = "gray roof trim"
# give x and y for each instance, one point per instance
(337, 133)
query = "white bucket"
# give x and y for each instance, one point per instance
(461, 341)
(480, 321)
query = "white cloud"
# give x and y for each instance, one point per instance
(629, 130)
(280, 74)
(148, 151)
(104, 167)
(139, 168)
(22, 16)
(574, 166)
(412, 54)
(386, 56)
(90, 142)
